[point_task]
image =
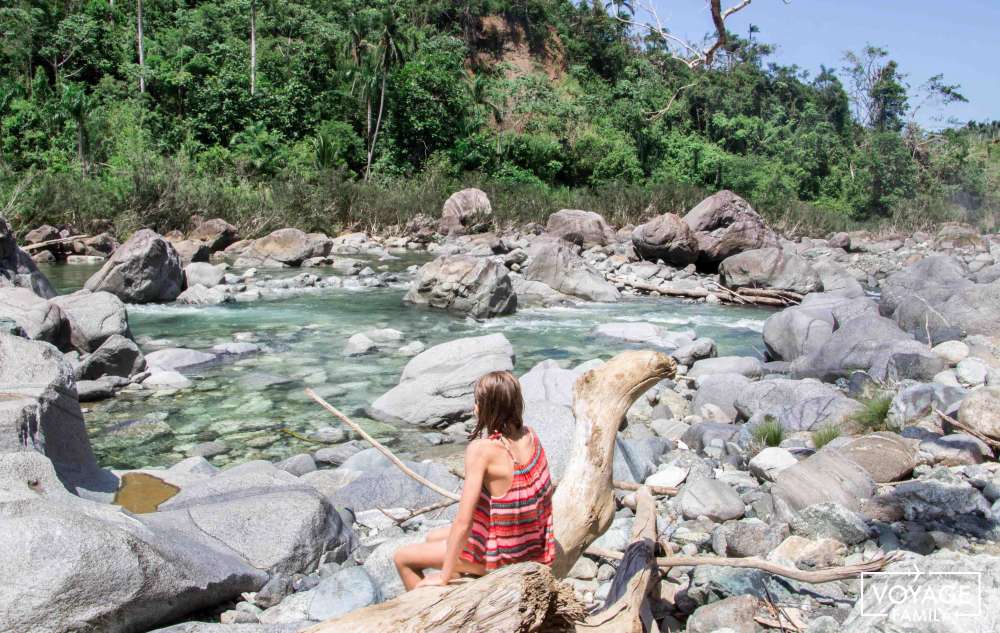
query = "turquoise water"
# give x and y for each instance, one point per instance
(247, 402)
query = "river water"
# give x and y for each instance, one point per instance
(247, 402)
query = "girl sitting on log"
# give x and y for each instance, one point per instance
(505, 514)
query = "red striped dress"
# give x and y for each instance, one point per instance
(515, 527)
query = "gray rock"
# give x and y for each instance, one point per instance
(272, 520)
(694, 351)
(712, 498)
(93, 317)
(956, 449)
(870, 344)
(206, 627)
(40, 412)
(388, 487)
(199, 295)
(348, 589)
(886, 456)
(123, 573)
(466, 211)
(297, 465)
(701, 435)
(585, 228)
(549, 382)
(766, 464)
(174, 358)
(553, 423)
(721, 390)
(945, 497)
(735, 614)
(636, 459)
(359, 345)
(475, 286)
(555, 265)
(743, 365)
(381, 568)
(830, 520)
(747, 537)
(666, 237)
(436, 385)
(725, 224)
(803, 329)
(39, 319)
(930, 279)
(769, 268)
(284, 247)
(916, 401)
(166, 379)
(191, 251)
(144, 269)
(17, 270)
(826, 476)
(117, 356)
(216, 233)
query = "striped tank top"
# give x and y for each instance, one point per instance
(515, 527)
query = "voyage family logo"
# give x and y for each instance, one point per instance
(922, 597)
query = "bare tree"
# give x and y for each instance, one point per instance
(142, 54)
(253, 47)
(690, 54)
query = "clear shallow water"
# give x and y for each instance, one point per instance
(247, 401)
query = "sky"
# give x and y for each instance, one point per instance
(959, 38)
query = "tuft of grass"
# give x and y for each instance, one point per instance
(769, 432)
(873, 416)
(822, 437)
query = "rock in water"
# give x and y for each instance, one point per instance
(769, 268)
(117, 356)
(666, 237)
(466, 211)
(40, 412)
(284, 247)
(558, 267)
(67, 564)
(205, 274)
(436, 386)
(475, 286)
(17, 269)
(725, 224)
(584, 228)
(145, 269)
(93, 318)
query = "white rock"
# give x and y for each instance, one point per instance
(971, 371)
(952, 352)
(166, 380)
(359, 345)
(771, 461)
(669, 476)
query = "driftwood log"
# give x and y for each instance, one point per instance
(529, 597)
(737, 296)
(62, 240)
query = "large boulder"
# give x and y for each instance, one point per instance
(886, 456)
(284, 247)
(932, 279)
(381, 485)
(871, 344)
(39, 411)
(712, 498)
(191, 251)
(666, 237)
(216, 233)
(68, 564)
(17, 269)
(204, 274)
(93, 318)
(826, 477)
(145, 269)
(803, 329)
(720, 390)
(769, 268)
(584, 228)
(466, 211)
(798, 405)
(274, 521)
(555, 265)
(474, 286)
(38, 318)
(970, 311)
(725, 224)
(436, 386)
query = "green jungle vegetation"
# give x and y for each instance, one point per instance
(339, 114)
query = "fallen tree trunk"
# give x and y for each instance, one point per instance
(583, 503)
(524, 597)
(62, 240)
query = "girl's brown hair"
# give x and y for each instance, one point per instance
(501, 407)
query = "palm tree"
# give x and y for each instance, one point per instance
(372, 61)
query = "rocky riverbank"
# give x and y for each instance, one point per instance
(868, 424)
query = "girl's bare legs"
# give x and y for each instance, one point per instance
(411, 560)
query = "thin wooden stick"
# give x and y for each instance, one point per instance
(813, 577)
(424, 510)
(974, 433)
(382, 449)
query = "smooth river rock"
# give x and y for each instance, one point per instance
(145, 269)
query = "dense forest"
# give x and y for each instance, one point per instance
(346, 113)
